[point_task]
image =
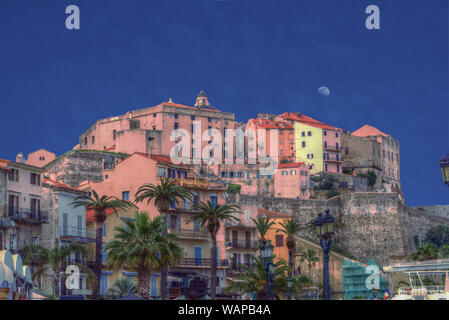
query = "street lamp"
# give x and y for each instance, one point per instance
(290, 284)
(266, 253)
(444, 165)
(324, 229)
(272, 269)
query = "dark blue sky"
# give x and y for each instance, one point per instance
(249, 56)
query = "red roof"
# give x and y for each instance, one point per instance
(110, 148)
(60, 185)
(367, 131)
(4, 164)
(270, 214)
(90, 215)
(296, 116)
(290, 165)
(271, 124)
(159, 158)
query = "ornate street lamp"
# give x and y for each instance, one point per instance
(444, 165)
(324, 229)
(272, 269)
(266, 253)
(290, 284)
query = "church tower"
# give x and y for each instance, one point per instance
(201, 100)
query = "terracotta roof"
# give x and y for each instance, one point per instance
(296, 116)
(271, 124)
(60, 185)
(367, 131)
(90, 215)
(270, 214)
(159, 158)
(4, 164)
(290, 165)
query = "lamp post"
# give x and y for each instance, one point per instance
(289, 284)
(324, 229)
(444, 165)
(271, 269)
(266, 253)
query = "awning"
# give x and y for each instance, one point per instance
(27, 274)
(6, 275)
(37, 296)
(6, 258)
(18, 267)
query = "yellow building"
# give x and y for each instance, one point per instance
(317, 143)
(278, 239)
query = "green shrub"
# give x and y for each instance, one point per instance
(234, 188)
(332, 193)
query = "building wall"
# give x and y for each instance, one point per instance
(40, 158)
(314, 145)
(292, 182)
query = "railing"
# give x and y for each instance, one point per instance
(331, 147)
(236, 267)
(189, 233)
(203, 262)
(76, 235)
(329, 158)
(239, 243)
(28, 215)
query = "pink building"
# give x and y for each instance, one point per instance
(291, 180)
(124, 180)
(148, 130)
(40, 158)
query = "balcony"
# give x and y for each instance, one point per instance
(333, 159)
(331, 147)
(28, 215)
(235, 267)
(198, 262)
(242, 244)
(76, 235)
(190, 233)
(245, 224)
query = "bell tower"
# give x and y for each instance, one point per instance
(201, 100)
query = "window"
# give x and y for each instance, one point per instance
(195, 198)
(279, 240)
(281, 152)
(338, 167)
(154, 115)
(65, 223)
(213, 200)
(114, 134)
(280, 140)
(176, 125)
(336, 134)
(85, 141)
(303, 144)
(291, 131)
(291, 141)
(41, 158)
(125, 195)
(176, 116)
(325, 167)
(160, 172)
(192, 117)
(293, 172)
(325, 132)
(248, 175)
(303, 134)
(93, 139)
(13, 242)
(281, 132)
(284, 173)
(13, 175)
(309, 133)
(209, 119)
(346, 151)
(80, 226)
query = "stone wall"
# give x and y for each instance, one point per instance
(378, 225)
(79, 165)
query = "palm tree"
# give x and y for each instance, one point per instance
(122, 287)
(164, 193)
(143, 245)
(428, 251)
(289, 228)
(99, 205)
(263, 224)
(55, 260)
(310, 257)
(211, 216)
(253, 280)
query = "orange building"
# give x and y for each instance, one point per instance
(278, 239)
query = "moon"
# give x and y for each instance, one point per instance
(324, 91)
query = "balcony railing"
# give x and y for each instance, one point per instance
(333, 159)
(236, 267)
(28, 215)
(244, 244)
(331, 147)
(76, 235)
(190, 233)
(198, 262)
